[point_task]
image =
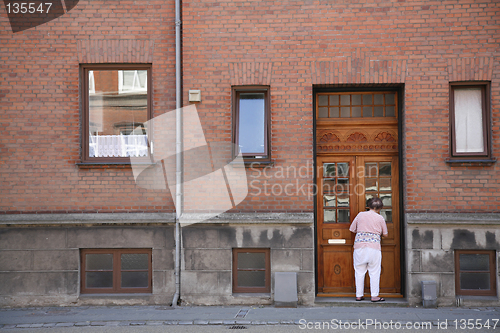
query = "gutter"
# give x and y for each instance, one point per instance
(178, 150)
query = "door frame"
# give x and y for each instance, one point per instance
(338, 88)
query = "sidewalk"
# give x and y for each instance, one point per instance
(234, 315)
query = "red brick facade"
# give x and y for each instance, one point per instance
(290, 46)
(293, 46)
(40, 102)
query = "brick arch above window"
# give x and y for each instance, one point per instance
(115, 51)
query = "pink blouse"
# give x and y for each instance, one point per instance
(368, 224)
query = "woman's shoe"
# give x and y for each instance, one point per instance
(380, 299)
(359, 299)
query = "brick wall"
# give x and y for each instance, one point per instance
(40, 105)
(292, 46)
(288, 45)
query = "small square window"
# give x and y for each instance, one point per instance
(469, 120)
(475, 273)
(251, 122)
(116, 106)
(116, 271)
(251, 271)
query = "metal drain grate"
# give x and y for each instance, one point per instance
(237, 327)
(241, 314)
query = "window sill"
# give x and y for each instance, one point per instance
(108, 165)
(258, 164)
(485, 161)
(124, 295)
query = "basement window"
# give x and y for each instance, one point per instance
(475, 273)
(251, 271)
(116, 271)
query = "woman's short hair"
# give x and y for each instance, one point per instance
(375, 203)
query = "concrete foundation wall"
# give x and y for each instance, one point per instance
(207, 260)
(40, 256)
(41, 265)
(431, 241)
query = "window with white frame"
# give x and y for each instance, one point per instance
(132, 81)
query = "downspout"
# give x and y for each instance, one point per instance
(178, 150)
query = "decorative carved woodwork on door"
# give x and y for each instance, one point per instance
(361, 139)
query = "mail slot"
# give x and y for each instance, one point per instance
(336, 241)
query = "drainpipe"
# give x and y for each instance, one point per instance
(178, 150)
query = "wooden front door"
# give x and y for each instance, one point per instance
(357, 159)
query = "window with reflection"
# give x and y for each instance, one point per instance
(116, 110)
(336, 191)
(116, 271)
(356, 105)
(378, 183)
(475, 272)
(469, 119)
(251, 122)
(251, 270)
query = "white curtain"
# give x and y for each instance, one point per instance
(468, 120)
(118, 145)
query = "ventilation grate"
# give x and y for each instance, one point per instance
(237, 327)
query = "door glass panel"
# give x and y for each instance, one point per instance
(386, 199)
(385, 169)
(356, 99)
(343, 215)
(342, 185)
(390, 111)
(386, 214)
(345, 112)
(329, 185)
(329, 215)
(356, 111)
(323, 112)
(371, 169)
(371, 184)
(343, 200)
(334, 112)
(343, 169)
(367, 111)
(389, 99)
(329, 170)
(323, 100)
(367, 99)
(379, 99)
(385, 184)
(345, 99)
(334, 99)
(329, 200)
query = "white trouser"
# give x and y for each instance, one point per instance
(367, 258)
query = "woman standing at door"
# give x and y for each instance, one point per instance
(368, 226)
